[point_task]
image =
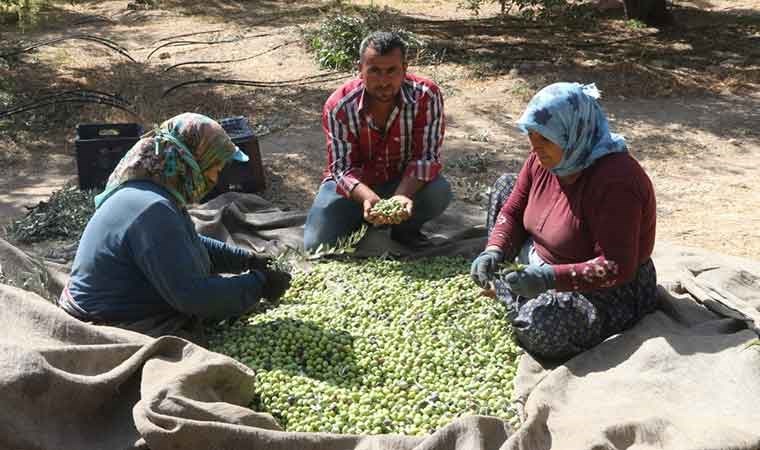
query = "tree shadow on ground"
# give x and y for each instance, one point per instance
(255, 12)
(670, 125)
(708, 52)
(144, 87)
(245, 12)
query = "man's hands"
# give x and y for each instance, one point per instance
(405, 192)
(392, 211)
(364, 195)
(367, 206)
(406, 201)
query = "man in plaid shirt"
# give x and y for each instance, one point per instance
(384, 132)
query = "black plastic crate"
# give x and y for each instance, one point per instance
(99, 148)
(241, 176)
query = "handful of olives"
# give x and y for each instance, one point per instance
(388, 212)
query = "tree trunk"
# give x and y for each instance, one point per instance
(651, 12)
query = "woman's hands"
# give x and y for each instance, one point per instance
(485, 265)
(527, 281)
(531, 281)
(277, 282)
(256, 262)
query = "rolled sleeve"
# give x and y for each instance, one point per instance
(346, 183)
(423, 170)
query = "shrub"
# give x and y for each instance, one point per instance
(63, 216)
(24, 11)
(335, 43)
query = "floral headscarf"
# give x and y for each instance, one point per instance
(176, 156)
(569, 115)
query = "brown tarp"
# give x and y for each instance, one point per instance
(686, 377)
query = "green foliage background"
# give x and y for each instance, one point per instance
(335, 43)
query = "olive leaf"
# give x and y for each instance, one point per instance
(505, 268)
(63, 216)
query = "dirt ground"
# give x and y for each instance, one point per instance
(686, 97)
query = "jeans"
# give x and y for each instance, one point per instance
(333, 216)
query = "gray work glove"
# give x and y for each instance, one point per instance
(277, 282)
(256, 262)
(531, 281)
(484, 266)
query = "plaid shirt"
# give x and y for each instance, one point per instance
(358, 151)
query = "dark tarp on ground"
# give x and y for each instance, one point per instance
(682, 378)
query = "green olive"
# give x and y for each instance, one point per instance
(378, 346)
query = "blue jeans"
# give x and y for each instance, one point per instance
(333, 216)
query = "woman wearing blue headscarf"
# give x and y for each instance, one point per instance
(140, 264)
(581, 216)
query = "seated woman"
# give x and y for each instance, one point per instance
(140, 264)
(581, 216)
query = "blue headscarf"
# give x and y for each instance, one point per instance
(569, 115)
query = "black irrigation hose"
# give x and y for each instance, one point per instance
(48, 102)
(187, 35)
(4, 114)
(81, 94)
(85, 93)
(85, 37)
(229, 60)
(75, 96)
(332, 76)
(183, 43)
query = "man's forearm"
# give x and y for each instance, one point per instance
(362, 192)
(409, 186)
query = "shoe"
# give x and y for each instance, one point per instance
(414, 240)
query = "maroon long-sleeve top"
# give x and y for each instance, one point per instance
(595, 232)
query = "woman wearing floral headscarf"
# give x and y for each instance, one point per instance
(140, 264)
(581, 216)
